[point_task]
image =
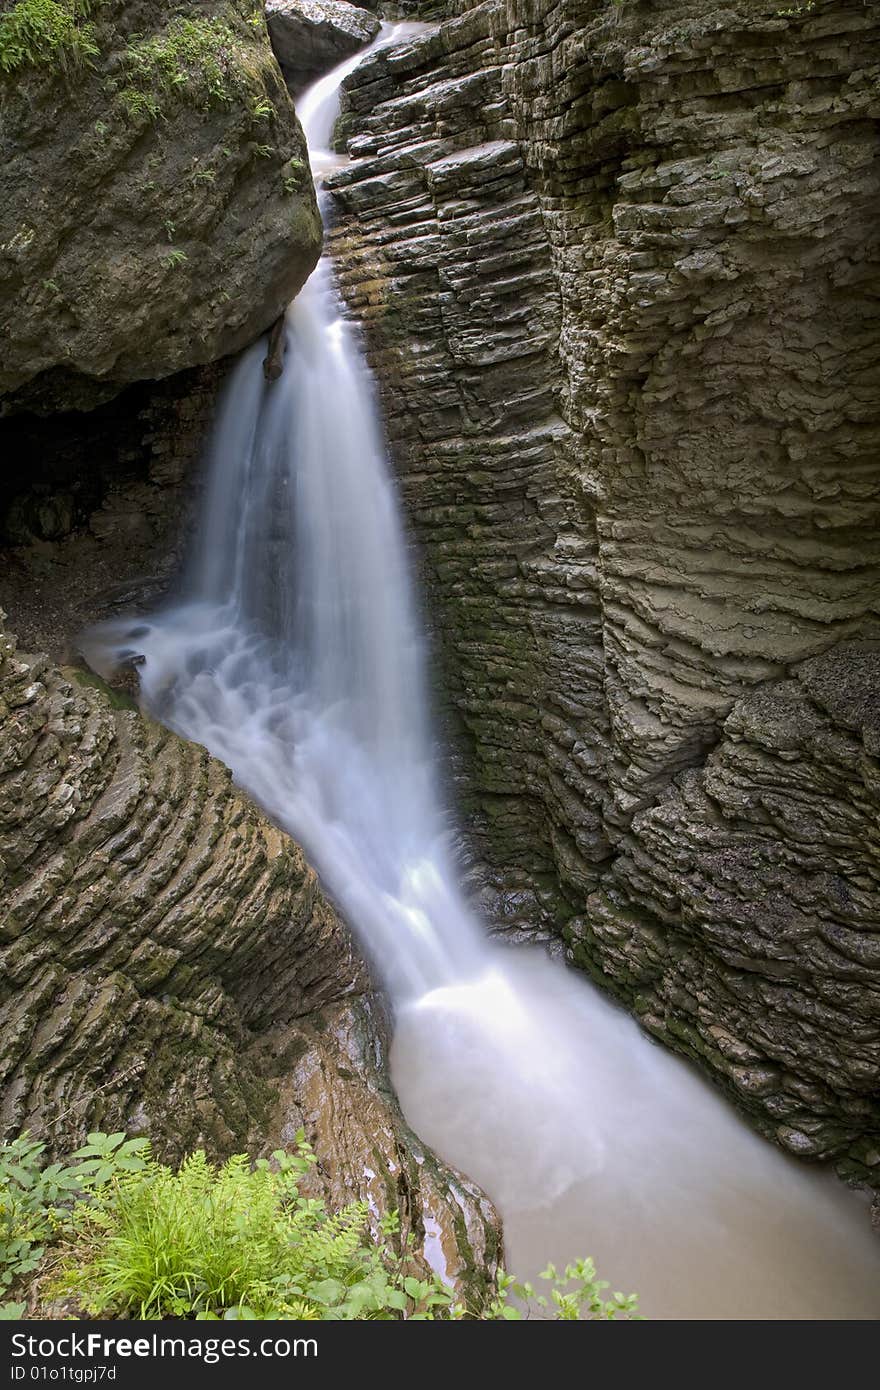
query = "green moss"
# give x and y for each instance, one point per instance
(117, 698)
(52, 33)
(293, 176)
(205, 61)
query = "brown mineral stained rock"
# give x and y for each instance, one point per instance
(333, 1082)
(311, 36)
(156, 210)
(169, 965)
(618, 267)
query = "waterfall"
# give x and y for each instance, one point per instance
(294, 654)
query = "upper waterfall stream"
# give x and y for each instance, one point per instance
(294, 653)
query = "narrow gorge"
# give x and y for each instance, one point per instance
(526, 575)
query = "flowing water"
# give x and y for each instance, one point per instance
(294, 653)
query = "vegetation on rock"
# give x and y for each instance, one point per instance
(47, 32)
(120, 1234)
(202, 59)
(118, 118)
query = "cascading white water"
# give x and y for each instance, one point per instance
(294, 654)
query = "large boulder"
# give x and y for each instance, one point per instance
(156, 207)
(312, 36)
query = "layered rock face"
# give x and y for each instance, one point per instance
(169, 965)
(155, 206)
(618, 267)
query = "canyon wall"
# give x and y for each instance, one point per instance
(618, 268)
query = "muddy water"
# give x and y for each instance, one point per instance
(592, 1140)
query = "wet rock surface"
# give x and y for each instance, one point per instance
(156, 210)
(332, 1081)
(311, 36)
(617, 266)
(169, 965)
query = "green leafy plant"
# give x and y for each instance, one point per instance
(36, 1199)
(203, 60)
(108, 1155)
(234, 1241)
(174, 258)
(54, 33)
(292, 179)
(127, 1236)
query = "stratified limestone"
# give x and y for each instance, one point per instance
(618, 266)
(169, 965)
(156, 208)
(741, 915)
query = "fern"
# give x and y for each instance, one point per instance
(131, 1237)
(38, 33)
(201, 59)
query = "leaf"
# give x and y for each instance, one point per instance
(327, 1291)
(134, 1146)
(131, 1163)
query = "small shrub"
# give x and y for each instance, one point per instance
(232, 1241)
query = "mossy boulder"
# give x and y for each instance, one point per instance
(156, 207)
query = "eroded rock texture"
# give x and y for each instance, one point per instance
(618, 266)
(169, 965)
(156, 210)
